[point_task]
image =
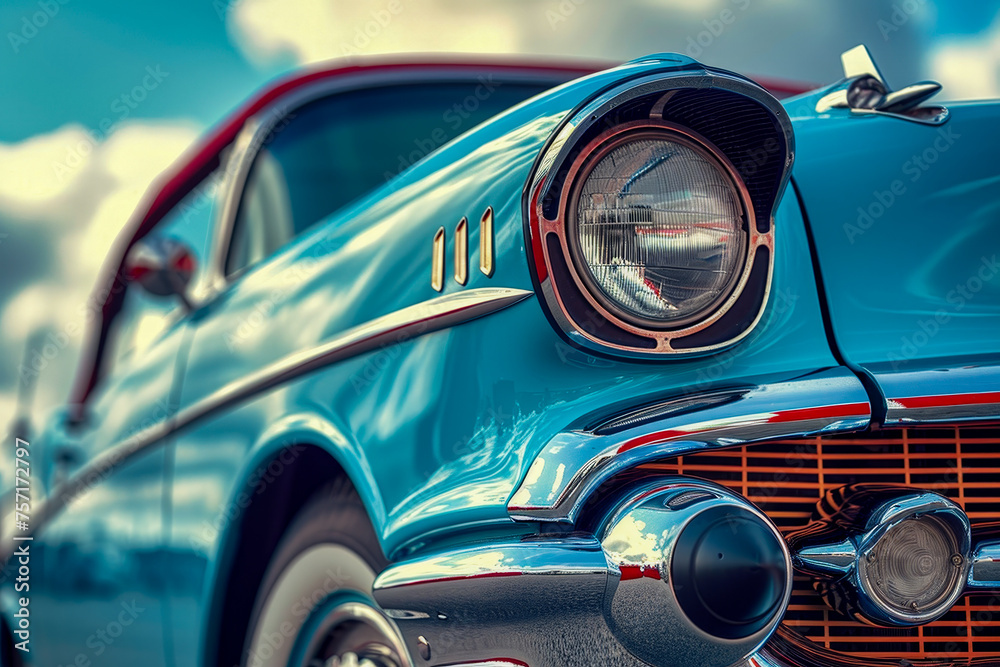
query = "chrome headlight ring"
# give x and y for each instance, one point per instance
(740, 142)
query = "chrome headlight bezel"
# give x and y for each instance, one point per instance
(743, 126)
(580, 172)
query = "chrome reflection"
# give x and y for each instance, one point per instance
(612, 591)
(701, 573)
(657, 224)
(886, 554)
(577, 461)
(959, 392)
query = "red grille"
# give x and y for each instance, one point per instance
(786, 478)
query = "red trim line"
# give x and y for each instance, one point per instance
(535, 230)
(630, 572)
(780, 417)
(948, 400)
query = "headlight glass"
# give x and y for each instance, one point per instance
(659, 227)
(910, 570)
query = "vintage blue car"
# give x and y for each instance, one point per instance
(503, 365)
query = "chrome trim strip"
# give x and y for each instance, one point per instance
(574, 463)
(426, 317)
(984, 571)
(555, 556)
(940, 394)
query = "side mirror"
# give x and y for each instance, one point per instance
(162, 266)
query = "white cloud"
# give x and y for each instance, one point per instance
(30, 181)
(969, 67)
(316, 30)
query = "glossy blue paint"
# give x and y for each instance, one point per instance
(906, 219)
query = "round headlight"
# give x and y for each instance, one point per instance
(658, 228)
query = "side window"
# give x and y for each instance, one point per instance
(144, 316)
(332, 151)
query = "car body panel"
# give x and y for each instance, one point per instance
(437, 430)
(906, 218)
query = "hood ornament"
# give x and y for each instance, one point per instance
(864, 90)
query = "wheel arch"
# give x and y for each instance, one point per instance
(292, 459)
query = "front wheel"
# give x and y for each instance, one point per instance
(314, 605)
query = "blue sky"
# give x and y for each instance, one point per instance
(65, 66)
(92, 50)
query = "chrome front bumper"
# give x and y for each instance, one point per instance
(540, 602)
